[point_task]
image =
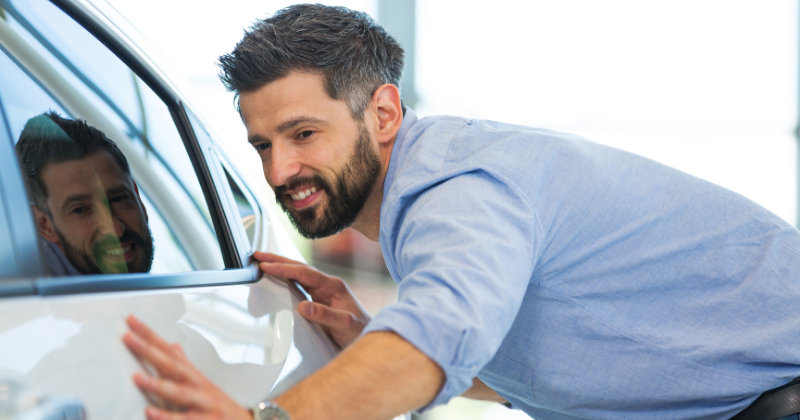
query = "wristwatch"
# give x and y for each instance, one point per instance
(268, 410)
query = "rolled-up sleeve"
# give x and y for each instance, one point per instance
(463, 251)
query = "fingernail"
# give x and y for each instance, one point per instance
(309, 309)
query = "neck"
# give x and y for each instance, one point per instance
(368, 221)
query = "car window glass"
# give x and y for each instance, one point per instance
(50, 63)
(246, 206)
(170, 256)
(27, 96)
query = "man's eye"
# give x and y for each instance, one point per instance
(305, 134)
(261, 147)
(119, 198)
(80, 210)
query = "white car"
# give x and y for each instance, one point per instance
(61, 354)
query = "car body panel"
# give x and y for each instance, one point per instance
(244, 338)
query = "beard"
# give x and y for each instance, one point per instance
(352, 188)
(87, 264)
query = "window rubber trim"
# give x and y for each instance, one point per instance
(56, 286)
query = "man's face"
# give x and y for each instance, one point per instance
(97, 217)
(320, 162)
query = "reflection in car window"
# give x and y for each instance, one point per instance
(102, 78)
(86, 205)
(53, 64)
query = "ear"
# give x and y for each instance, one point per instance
(141, 203)
(387, 112)
(44, 224)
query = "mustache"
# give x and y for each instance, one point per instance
(112, 242)
(131, 236)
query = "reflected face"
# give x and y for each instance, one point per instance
(97, 217)
(320, 162)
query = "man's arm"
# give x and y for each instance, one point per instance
(379, 376)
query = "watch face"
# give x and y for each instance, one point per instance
(270, 411)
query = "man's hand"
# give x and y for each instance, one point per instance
(179, 384)
(334, 306)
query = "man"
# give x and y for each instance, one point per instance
(565, 277)
(85, 202)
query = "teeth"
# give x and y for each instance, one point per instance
(303, 194)
(118, 251)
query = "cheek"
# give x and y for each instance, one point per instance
(133, 219)
(266, 168)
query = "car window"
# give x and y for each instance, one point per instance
(248, 211)
(54, 73)
(242, 214)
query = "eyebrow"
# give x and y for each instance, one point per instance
(118, 189)
(294, 121)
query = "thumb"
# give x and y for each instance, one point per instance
(334, 319)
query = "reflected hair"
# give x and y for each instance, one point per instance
(49, 139)
(353, 54)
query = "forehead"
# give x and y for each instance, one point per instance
(297, 95)
(98, 171)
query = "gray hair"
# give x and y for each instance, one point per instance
(353, 54)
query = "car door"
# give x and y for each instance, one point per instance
(60, 347)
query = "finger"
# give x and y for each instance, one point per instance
(146, 334)
(171, 392)
(303, 274)
(320, 314)
(167, 365)
(177, 347)
(274, 258)
(155, 413)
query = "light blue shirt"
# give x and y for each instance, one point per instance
(581, 281)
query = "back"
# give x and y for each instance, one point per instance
(651, 293)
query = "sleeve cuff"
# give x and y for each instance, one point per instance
(457, 378)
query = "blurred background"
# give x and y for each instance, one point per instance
(706, 86)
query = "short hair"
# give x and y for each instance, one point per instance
(48, 139)
(353, 54)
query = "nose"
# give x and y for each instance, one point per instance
(282, 165)
(112, 225)
(119, 226)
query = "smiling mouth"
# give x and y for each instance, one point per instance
(118, 251)
(121, 251)
(303, 194)
(306, 197)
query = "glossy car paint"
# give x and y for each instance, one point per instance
(249, 340)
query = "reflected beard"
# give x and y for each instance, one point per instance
(353, 186)
(85, 264)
